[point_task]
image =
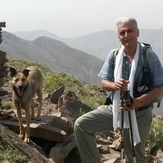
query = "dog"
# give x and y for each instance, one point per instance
(25, 85)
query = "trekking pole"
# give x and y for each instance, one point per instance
(122, 136)
(126, 98)
(122, 129)
(131, 136)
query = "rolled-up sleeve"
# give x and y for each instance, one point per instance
(108, 67)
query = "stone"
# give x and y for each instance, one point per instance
(63, 124)
(71, 107)
(3, 58)
(3, 72)
(103, 149)
(61, 151)
(116, 144)
(2, 24)
(160, 154)
(3, 92)
(104, 141)
(56, 94)
(39, 129)
(114, 160)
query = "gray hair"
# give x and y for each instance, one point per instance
(127, 19)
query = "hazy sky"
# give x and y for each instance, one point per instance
(73, 18)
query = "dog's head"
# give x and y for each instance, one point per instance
(19, 81)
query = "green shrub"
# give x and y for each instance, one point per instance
(155, 138)
(7, 105)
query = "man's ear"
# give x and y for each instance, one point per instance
(118, 36)
(137, 32)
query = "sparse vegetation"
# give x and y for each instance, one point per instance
(7, 105)
(8, 154)
(155, 139)
(86, 94)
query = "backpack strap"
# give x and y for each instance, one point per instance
(144, 54)
(109, 98)
(114, 56)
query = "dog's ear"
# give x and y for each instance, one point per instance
(26, 72)
(13, 72)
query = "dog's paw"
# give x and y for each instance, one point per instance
(21, 136)
(26, 140)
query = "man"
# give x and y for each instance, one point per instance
(118, 78)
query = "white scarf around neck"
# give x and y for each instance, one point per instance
(116, 100)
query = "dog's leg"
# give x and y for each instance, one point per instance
(27, 133)
(21, 127)
(39, 93)
(32, 110)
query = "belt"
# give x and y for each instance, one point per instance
(142, 108)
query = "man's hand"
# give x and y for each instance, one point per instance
(121, 84)
(126, 101)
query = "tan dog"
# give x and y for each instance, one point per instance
(25, 85)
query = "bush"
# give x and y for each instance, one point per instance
(155, 138)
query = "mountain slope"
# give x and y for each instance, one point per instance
(55, 55)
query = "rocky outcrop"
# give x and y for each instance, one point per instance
(32, 152)
(3, 60)
(54, 133)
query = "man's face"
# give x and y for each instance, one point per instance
(127, 34)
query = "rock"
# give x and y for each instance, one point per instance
(2, 24)
(104, 141)
(63, 124)
(56, 94)
(116, 144)
(61, 151)
(3, 59)
(103, 149)
(114, 160)
(71, 107)
(32, 152)
(3, 73)
(39, 129)
(160, 154)
(2, 92)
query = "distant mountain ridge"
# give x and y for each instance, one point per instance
(32, 35)
(100, 43)
(54, 54)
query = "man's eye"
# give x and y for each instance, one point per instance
(129, 31)
(122, 33)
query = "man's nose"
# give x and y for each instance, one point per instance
(126, 33)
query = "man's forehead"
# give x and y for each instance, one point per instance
(125, 26)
